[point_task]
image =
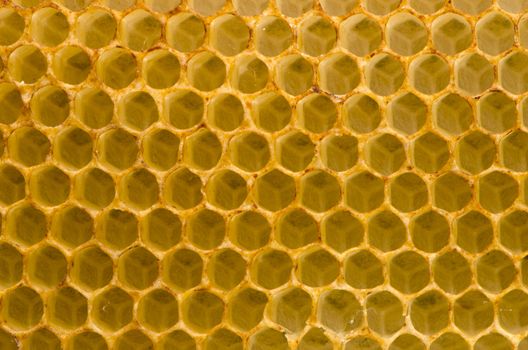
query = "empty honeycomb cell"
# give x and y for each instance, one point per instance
(294, 150)
(249, 74)
(158, 310)
(380, 8)
(386, 231)
(384, 74)
(183, 109)
(384, 313)
(49, 26)
(160, 69)
(513, 151)
(162, 5)
(291, 308)
(72, 226)
(11, 266)
(362, 342)
(96, 28)
(497, 191)
(427, 7)
(73, 148)
(117, 149)
(512, 306)
(202, 150)
(66, 308)
(385, 153)
(430, 152)
(50, 106)
(245, 308)
(406, 113)
(316, 339)
(291, 8)
(271, 268)
(116, 68)
(429, 74)
(294, 74)
(451, 192)
(271, 111)
(513, 73)
(137, 110)
(133, 339)
(249, 151)
(451, 272)
(316, 113)
(273, 36)
(339, 311)
(474, 74)
(409, 272)
(363, 270)
(360, 35)
(223, 338)
(27, 64)
(202, 310)
(176, 338)
(206, 7)
(429, 231)
(449, 340)
(183, 189)
(226, 269)
(229, 34)
(429, 312)
(296, 228)
(408, 192)
(94, 107)
(364, 192)
(206, 229)
(11, 103)
(160, 149)
(117, 229)
(361, 113)
(452, 114)
(12, 26)
(495, 271)
(27, 3)
(139, 30)
(46, 267)
(405, 34)
(75, 5)
(206, 71)
(71, 64)
(42, 338)
(22, 308)
(513, 229)
(495, 33)
(475, 152)
(513, 6)
(161, 229)
(25, 224)
(267, 339)
(319, 191)
(493, 341)
(473, 312)
(496, 112)
(182, 269)
(406, 341)
(225, 112)
(474, 231)
(251, 7)
(112, 309)
(49, 186)
(137, 268)
(316, 36)
(316, 267)
(339, 152)
(13, 185)
(470, 7)
(94, 188)
(249, 230)
(91, 268)
(185, 32)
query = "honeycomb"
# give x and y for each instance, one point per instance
(264, 174)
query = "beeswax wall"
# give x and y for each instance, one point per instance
(263, 174)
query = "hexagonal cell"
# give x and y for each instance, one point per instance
(341, 231)
(273, 36)
(71, 65)
(384, 74)
(409, 272)
(95, 28)
(363, 270)
(117, 229)
(268, 339)
(291, 8)
(271, 111)
(225, 112)
(473, 312)
(339, 310)
(296, 228)
(226, 190)
(46, 267)
(11, 266)
(72, 226)
(429, 74)
(157, 310)
(86, 340)
(27, 64)
(162, 5)
(429, 312)
(472, 7)
(133, 339)
(73, 147)
(474, 74)
(49, 26)
(384, 313)
(427, 7)
(291, 309)
(139, 30)
(513, 230)
(206, 72)
(245, 308)
(475, 152)
(429, 231)
(513, 6)
(49, 186)
(139, 189)
(161, 229)
(183, 189)
(339, 152)
(202, 310)
(22, 308)
(94, 107)
(183, 109)
(112, 309)
(316, 113)
(493, 341)
(75, 5)
(229, 34)
(13, 185)
(27, 3)
(362, 342)
(316, 339)
(408, 192)
(496, 112)
(137, 110)
(271, 268)
(406, 35)
(117, 149)
(226, 269)
(406, 341)
(386, 231)
(361, 113)
(50, 105)
(513, 152)
(176, 338)
(92, 268)
(205, 229)
(474, 232)
(137, 268)
(495, 271)
(66, 308)
(495, 33)
(249, 151)
(202, 150)
(385, 154)
(452, 114)
(430, 152)
(11, 103)
(160, 69)
(11, 26)
(406, 113)
(182, 269)
(451, 272)
(249, 74)
(116, 68)
(206, 7)
(360, 35)
(294, 74)
(451, 192)
(42, 338)
(185, 32)
(250, 7)
(94, 188)
(511, 308)
(160, 149)
(316, 36)
(316, 267)
(449, 340)
(294, 150)
(222, 338)
(249, 230)
(320, 191)
(25, 224)
(497, 191)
